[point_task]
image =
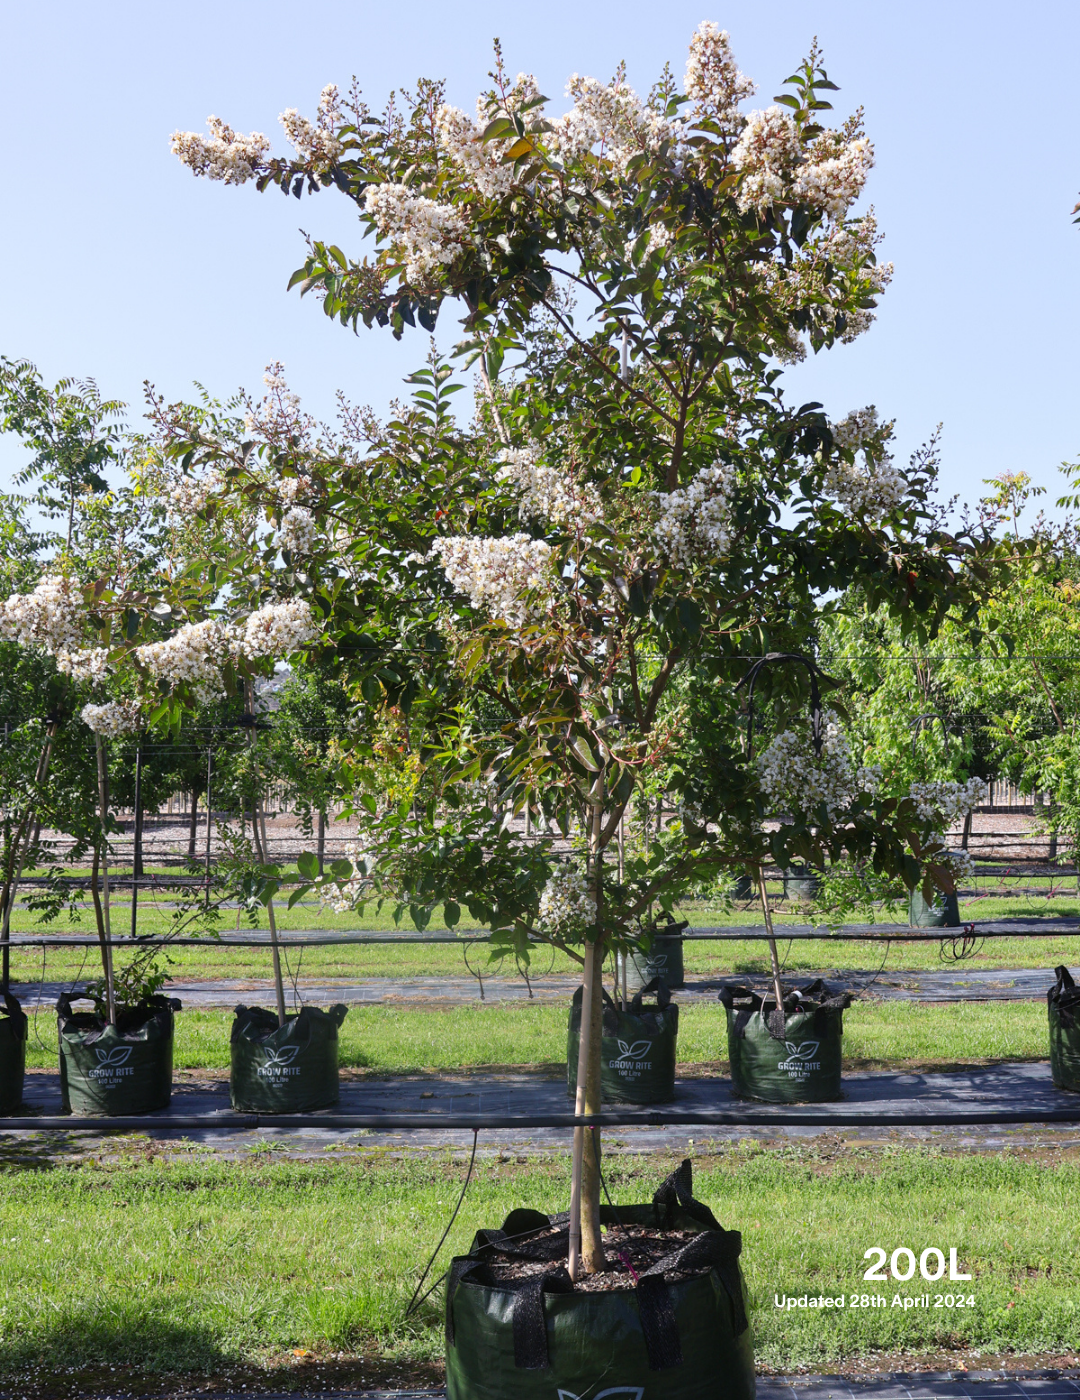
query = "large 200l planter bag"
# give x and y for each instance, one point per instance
(802, 1066)
(121, 1069)
(516, 1326)
(637, 1048)
(943, 912)
(285, 1069)
(1063, 1004)
(13, 1027)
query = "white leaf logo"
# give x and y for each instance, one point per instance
(658, 960)
(624, 1392)
(284, 1056)
(639, 1047)
(806, 1051)
(118, 1055)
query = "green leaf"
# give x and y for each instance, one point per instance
(298, 894)
(308, 865)
(451, 913)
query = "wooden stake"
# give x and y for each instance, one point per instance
(773, 955)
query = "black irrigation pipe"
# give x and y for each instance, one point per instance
(850, 933)
(477, 1122)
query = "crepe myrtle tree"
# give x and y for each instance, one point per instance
(636, 511)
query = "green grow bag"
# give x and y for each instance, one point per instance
(285, 1069)
(944, 912)
(803, 1066)
(1063, 1004)
(801, 882)
(116, 1070)
(537, 1337)
(13, 1027)
(637, 1048)
(664, 960)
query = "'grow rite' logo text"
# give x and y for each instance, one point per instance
(629, 1063)
(800, 1058)
(110, 1063)
(623, 1392)
(279, 1063)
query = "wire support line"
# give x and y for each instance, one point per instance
(826, 1116)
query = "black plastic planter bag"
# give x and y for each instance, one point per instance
(637, 1048)
(663, 960)
(1063, 1004)
(285, 1069)
(944, 912)
(116, 1070)
(13, 1027)
(539, 1338)
(803, 1067)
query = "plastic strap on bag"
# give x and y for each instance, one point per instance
(678, 1189)
(530, 1329)
(663, 996)
(13, 1006)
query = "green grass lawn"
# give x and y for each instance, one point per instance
(400, 1040)
(206, 1268)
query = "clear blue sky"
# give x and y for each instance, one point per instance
(118, 264)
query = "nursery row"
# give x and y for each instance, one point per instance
(127, 1067)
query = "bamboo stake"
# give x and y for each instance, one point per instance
(135, 862)
(773, 955)
(258, 825)
(102, 904)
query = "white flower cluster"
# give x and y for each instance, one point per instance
(612, 117)
(297, 531)
(567, 905)
(315, 141)
(496, 574)
(876, 487)
(429, 235)
(112, 719)
(947, 803)
(694, 521)
(835, 182)
(549, 494)
(713, 80)
(277, 629)
(49, 618)
(871, 491)
(766, 154)
(195, 653)
(190, 494)
(861, 425)
(223, 155)
(481, 161)
(795, 779)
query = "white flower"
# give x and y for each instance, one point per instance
(766, 154)
(796, 780)
(712, 79)
(297, 532)
(874, 488)
(548, 493)
(833, 184)
(315, 141)
(429, 235)
(277, 629)
(224, 154)
(694, 522)
(959, 864)
(612, 117)
(342, 895)
(947, 803)
(860, 425)
(111, 719)
(86, 664)
(190, 495)
(195, 653)
(496, 574)
(567, 905)
(49, 619)
(480, 161)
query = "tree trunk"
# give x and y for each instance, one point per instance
(320, 838)
(18, 854)
(193, 824)
(101, 901)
